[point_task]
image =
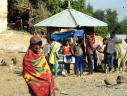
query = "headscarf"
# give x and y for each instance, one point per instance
(35, 40)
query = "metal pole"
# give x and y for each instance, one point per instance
(69, 3)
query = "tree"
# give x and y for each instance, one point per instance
(99, 14)
(123, 27)
(112, 19)
(14, 10)
(39, 12)
(89, 10)
(75, 4)
(79, 5)
(53, 6)
(102, 31)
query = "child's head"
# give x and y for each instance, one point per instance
(105, 41)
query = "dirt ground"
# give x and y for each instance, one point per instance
(12, 83)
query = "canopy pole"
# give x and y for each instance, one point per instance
(69, 3)
(73, 17)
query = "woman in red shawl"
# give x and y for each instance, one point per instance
(36, 71)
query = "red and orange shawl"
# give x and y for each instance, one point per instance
(37, 74)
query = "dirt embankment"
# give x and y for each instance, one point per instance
(14, 41)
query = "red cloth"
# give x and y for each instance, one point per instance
(39, 79)
(37, 74)
(66, 50)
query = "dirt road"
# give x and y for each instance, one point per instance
(12, 84)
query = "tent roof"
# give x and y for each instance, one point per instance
(70, 18)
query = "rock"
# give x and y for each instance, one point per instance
(121, 79)
(107, 82)
(110, 81)
(64, 92)
(3, 63)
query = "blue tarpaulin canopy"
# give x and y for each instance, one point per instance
(64, 35)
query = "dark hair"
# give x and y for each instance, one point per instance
(105, 39)
(113, 34)
(51, 39)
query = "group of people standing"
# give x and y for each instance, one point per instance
(107, 48)
(110, 51)
(69, 53)
(76, 53)
(39, 65)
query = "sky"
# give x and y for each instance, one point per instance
(113, 4)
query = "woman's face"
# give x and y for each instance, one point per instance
(36, 47)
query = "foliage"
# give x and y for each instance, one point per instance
(123, 26)
(79, 5)
(53, 6)
(89, 10)
(102, 31)
(41, 9)
(99, 14)
(14, 10)
(35, 2)
(38, 13)
(111, 19)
